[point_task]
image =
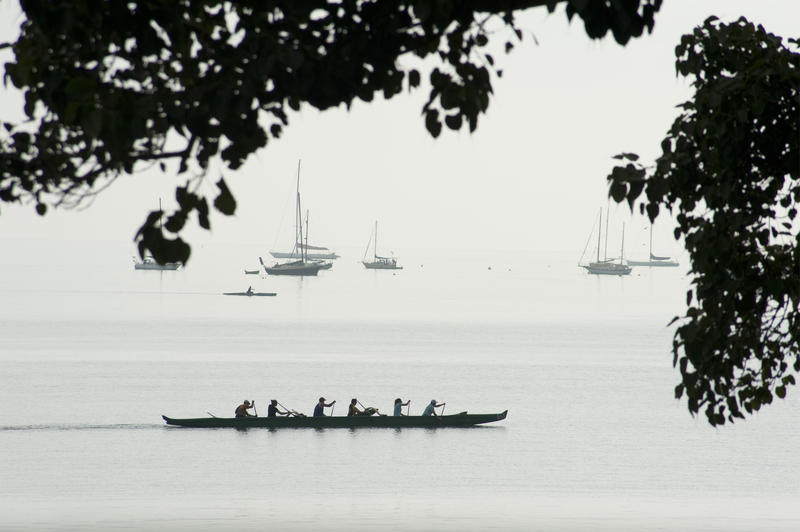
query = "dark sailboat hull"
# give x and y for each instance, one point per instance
(299, 270)
(462, 419)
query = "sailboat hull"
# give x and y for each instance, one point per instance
(656, 263)
(156, 266)
(302, 269)
(608, 268)
(381, 266)
(311, 256)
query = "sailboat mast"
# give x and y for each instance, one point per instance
(305, 248)
(622, 249)
(651, 241)
(599, 229)
(376, 241)
(299, 218)
(605, 251)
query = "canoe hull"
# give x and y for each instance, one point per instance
(462, 419)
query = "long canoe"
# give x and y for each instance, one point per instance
(461, 419)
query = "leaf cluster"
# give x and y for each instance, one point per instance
(111, 88)
(730, 167)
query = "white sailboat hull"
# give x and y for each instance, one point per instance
(381, 265)
(607, 268)
(312, 256)
(656, 263)
(153, 265)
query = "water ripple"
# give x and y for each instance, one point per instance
(80, 426)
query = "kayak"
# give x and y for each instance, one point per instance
(248, 294)
(462, 419)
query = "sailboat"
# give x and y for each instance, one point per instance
(655, 260)
(378, 262)
(607, 266)
(304, 249)
(302, 266)
(148, 262)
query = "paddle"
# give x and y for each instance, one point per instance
(408, 408)
(443, 405)
(210, 414)
(254, 407)
(292, 411)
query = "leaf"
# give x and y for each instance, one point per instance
(453, 121)
(202, 214)
(617, 191)
(414, 78)
(224, 202)
(432, 123)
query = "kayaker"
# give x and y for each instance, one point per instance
(430, 410)
(398, 405)
(319, 410)
(274, 411)
(353, 409)
(249, 290)
(242, 409)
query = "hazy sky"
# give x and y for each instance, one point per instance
(532, 176)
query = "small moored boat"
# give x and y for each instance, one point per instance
(462, 419)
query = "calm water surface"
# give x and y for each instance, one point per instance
(92, 353)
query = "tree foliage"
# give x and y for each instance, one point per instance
(113, 87)
(730, 167)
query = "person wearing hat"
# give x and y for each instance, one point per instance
(242, 409)
(430, 410)
(398, 406)
(319, 410)
(274, 411)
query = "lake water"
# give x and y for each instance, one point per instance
(93, 352)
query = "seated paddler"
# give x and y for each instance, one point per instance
(319, 410)
(353, 410)
(430, 410)
(398, 406)
(274, 411)
(242, 409)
